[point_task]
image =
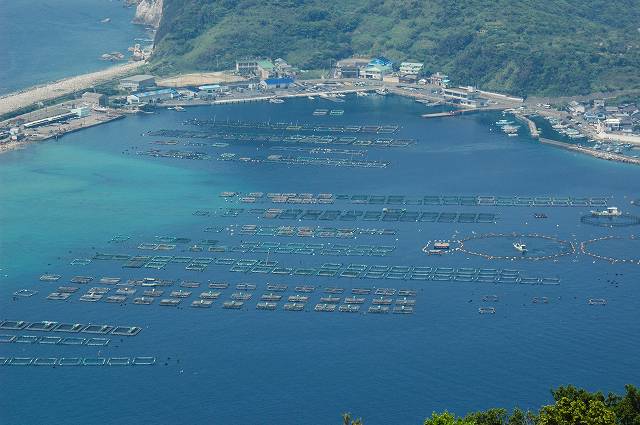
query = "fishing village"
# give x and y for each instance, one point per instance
(594, 128)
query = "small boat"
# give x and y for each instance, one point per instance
(441, 245)
(503, 122)
(609, 212)
(512, 134)
(311, 98)
(362, 93)
(105, 21)
(383, 91)
(178, 109)
(519, 246)
(276, 100)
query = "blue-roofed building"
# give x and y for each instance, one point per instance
(152, 96)
(378, 68)
(276, 83)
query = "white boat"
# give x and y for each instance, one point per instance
(382, 91)
(512, 134)
(178, 109)
(510, 128)
(519, 246)
(311, 98)
(276, 100)
(362, 93)
(503, 122)
(609, 212)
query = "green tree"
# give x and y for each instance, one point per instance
(576, 412)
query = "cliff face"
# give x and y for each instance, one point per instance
(149, 12)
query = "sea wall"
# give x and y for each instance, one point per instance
(148, 12)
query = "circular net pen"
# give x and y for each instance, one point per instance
(614, 249)
(624, 220)
(516, 246)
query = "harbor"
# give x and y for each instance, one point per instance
(191, 249)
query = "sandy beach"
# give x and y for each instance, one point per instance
(21, 99)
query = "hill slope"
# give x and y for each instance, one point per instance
(525, 47)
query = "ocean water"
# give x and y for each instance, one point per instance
(67, 199)
(46, 40)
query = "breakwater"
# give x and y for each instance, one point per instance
(596, 154)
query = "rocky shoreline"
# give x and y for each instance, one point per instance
(148, 12)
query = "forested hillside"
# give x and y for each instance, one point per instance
(523, 47)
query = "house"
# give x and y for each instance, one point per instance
(210, 91)
(612, 124)
(137, 82)
(610, 110)
(439, 79)
(576, 108)
(265, 69)
(626, 124)
(409, 71)
(467, 96)
(247, 66)
(95, 99)
(276, 83)
(377, 68)
(152, 96)
(373, 72)
(351, 67)
(282, 68)
(80, 112)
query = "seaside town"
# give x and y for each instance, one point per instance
(593, 126)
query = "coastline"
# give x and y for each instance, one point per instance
(28, 97)
(49, 91)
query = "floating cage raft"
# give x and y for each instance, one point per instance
(289, 126)
(263, 138)
(69, 327)
(54, 340)
(436, 200)
(386, 214)
(308, 232)
(305, 248)
(367, 271)
(78, 361)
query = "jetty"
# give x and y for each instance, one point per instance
(596, 154)
(533, 129)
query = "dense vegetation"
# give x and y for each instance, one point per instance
(572, 406)
(523, 47)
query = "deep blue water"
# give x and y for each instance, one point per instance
(45, 40)
(67, 199)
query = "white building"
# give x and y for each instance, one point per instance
(152, 96)
(137, 82)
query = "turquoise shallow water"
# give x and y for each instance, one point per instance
(67, 199)
(45, 40)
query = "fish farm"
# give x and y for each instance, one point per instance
(294, 139)
(282, 126)
(77, 361)
(463, 200)
(304, 231)
(539, 247)
(386, 214)
(223, 251)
